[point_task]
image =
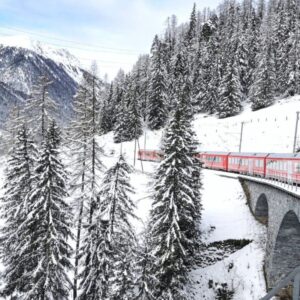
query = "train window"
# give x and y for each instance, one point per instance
(298, 168)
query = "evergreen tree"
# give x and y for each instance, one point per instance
(206, 71)
(46, 231)
(40, 109)
(181, 82)
(144, 76)
(157, 93)
(129, 124)
(108, 257)
(86, 152)
(12, 125)
(95, 279)
(145, 279)
(15, 207)
(292, 45)
(106, 121)
(191, 33)
(230, 91)
(210, 102)
(122, 132)
(263, 90)
(176, 210)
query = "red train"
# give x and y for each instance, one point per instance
(279, 166)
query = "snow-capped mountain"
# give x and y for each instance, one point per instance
(23, 60)
(60, 56)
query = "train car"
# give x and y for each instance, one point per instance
(214, 160)
(283, 167)
(150, 155)
(253, 164)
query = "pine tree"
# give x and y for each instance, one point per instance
(121, 132)
(40, 109)
(144, 70)
(191, 33)
(116, 245)
(206, 70)
(181, 82)
(210, 102)
(12, 125)
(190, 41)
(46, 230)
(107, 111)
(157, 93)
(145, 279)
(292, 44)
(129, 123)
(263, 90)
(15, 207)
(95, 283)
(86, 152)
(201, 86)
(176, 210)
(230, 91)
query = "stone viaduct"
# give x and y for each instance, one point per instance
(279, 209)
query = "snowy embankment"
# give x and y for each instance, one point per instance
(267, 130)
(226, 216)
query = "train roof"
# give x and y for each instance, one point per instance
(284, 155)
(256, 154)
(215, 152)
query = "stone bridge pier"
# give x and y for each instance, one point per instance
(279, 210)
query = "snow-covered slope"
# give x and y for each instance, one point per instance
(267, 130)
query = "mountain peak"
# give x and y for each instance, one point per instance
(59, 55)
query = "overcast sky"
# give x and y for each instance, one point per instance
(113, 32)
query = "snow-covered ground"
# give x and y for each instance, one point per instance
(226, 211)
(267, 130)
